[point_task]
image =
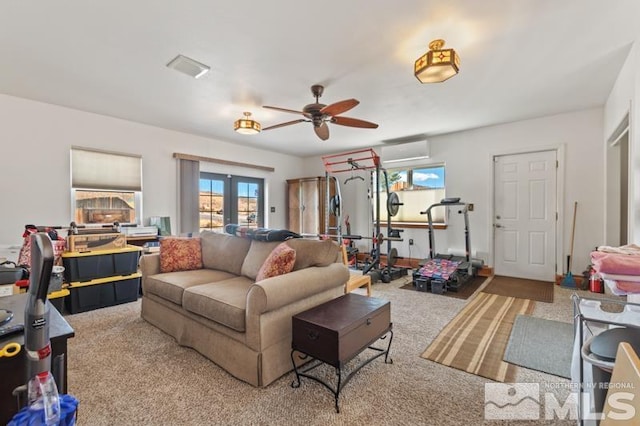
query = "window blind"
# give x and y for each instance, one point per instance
(91, 169)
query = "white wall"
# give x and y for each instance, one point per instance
(468, 159)
(36, 138)
(623, 99)
(34, 171)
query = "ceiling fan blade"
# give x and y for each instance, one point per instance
(354, 122)
(339, 107)
(322, 131)
(283, 109)
(288, 123)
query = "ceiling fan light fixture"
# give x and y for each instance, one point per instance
(247, 126)
(438, 64)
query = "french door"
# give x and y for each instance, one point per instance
(228, 199)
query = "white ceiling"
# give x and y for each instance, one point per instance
(519, 59)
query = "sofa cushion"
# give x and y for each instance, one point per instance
(258, 253)
(180, 254)
(223, 302)
(280, 261)
(313, 252)
(170, 286)
(223, 252)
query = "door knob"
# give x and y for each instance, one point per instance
(497, 225)
(498, 217)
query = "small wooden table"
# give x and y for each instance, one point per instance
(336, 332)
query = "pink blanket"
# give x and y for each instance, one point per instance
(612, 263)
(628, 286)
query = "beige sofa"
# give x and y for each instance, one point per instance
(242, 325)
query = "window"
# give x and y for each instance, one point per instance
(417, 189)
(106, 187)
(230, 199)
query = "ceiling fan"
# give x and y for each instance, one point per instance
(321, 114)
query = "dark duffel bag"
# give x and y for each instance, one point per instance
(10, 273)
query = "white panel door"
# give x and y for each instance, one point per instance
(525, 215)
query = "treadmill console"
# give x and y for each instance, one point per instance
(450, 200)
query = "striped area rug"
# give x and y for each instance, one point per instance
(475, 340)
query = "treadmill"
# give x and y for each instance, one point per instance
(445, 272)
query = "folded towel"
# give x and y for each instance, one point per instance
(611, 263)
(631, 249)
(613, 287)
(618, 277)
(628, 286)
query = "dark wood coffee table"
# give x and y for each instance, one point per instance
(336, 332)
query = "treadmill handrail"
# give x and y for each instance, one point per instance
(445, 204)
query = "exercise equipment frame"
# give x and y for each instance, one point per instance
(365, 159)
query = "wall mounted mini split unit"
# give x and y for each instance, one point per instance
(409, 151)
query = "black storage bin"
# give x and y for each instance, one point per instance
(83, 267)
(422, 284)
(127, 290)
(95, 296)
(87, 268)
(125, 263)
(438, 286)
(57, 303)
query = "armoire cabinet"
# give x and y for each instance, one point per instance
(307, 202)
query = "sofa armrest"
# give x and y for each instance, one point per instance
(149, 265)
(276, 292)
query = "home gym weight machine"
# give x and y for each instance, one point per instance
(363, 160)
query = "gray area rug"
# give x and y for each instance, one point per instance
(541, 345)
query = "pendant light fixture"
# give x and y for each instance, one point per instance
(246, 125)
(438, 64)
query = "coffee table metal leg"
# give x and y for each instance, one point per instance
(388, 360)
(338, 388)
(295, 383)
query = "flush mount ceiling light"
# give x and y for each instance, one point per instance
(246, 125)
(438, 64)
(188, 66)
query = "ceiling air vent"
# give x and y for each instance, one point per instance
(188, 66)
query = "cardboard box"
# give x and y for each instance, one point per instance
(93, 242)
(8, 290)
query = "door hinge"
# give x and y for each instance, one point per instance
(556, 216)
(556, 164)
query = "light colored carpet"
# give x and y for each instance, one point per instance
(475, 340)
(125, 371)
(541, 344)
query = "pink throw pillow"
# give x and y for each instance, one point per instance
(280, 261)
(180, 254)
